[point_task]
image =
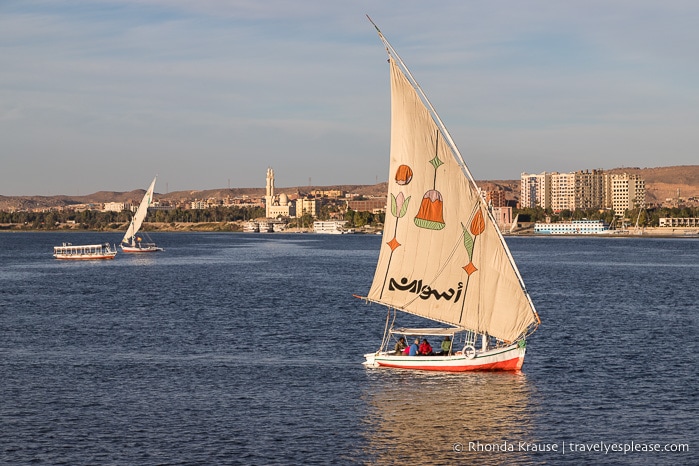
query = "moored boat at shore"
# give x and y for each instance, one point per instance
(331, 227)
(84, 252)
(574, 227)
(251, 227)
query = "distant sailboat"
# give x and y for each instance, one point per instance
(132, 242)
(513, 227)
(443, 257)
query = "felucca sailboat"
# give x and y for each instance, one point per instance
(131, 241)
(443, 257)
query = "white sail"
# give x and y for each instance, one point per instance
(443, 257)
(140, 215)
(513, 227)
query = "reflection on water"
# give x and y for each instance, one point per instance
(424, 417)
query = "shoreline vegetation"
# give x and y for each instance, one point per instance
(635, 222)
(214, 219)
(231, 227)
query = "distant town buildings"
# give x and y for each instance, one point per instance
(679, 222)
(496, 198)
(503, 217)
(115, 206)
(334, 193)
(582, 190)
(368, 205)
(198, 205)
(283, 206)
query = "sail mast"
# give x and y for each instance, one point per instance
(455, 151)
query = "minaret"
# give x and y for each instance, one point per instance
(269, 195)
(271, 172)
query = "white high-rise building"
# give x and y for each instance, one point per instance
(624, 191)
(535, 190)
(562, 191)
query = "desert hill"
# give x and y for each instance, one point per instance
(661, 183)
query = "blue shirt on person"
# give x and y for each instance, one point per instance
(413, 350)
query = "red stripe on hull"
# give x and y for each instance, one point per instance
(510, 359)
(513, 364)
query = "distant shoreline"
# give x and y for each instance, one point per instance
(648, 232)
(157, 227)
(226, 227)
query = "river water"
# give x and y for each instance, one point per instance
(247, 349)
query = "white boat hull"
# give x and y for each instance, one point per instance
(509, 358)
(145, 248)
(85, 257)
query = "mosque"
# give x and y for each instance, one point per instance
(282, 206)
(276, 206)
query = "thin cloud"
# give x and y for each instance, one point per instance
(204, 91)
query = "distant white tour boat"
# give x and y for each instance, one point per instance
(84, 252)
(576, 227)
(332, 227)
(251, 227)
(131, 241)
(265, 226)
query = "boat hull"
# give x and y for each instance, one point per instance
(85, 257)
(509, 358)
(140, 249)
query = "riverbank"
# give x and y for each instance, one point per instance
(113, 227)
(651, 232)
(150, 227)
(654, 232)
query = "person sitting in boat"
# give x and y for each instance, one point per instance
(446, 346)
(425, 348)
(400, 346)
(414, 348)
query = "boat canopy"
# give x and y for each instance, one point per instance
(440, 332)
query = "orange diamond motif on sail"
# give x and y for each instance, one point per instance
(470, 268)
(393, 244)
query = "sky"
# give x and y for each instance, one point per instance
(101, 95)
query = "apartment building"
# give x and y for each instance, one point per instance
(307, 206)
(562, 191)
(582, 190)
(624, 191)
(495, 198)
(535, 190)
(589, 189)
